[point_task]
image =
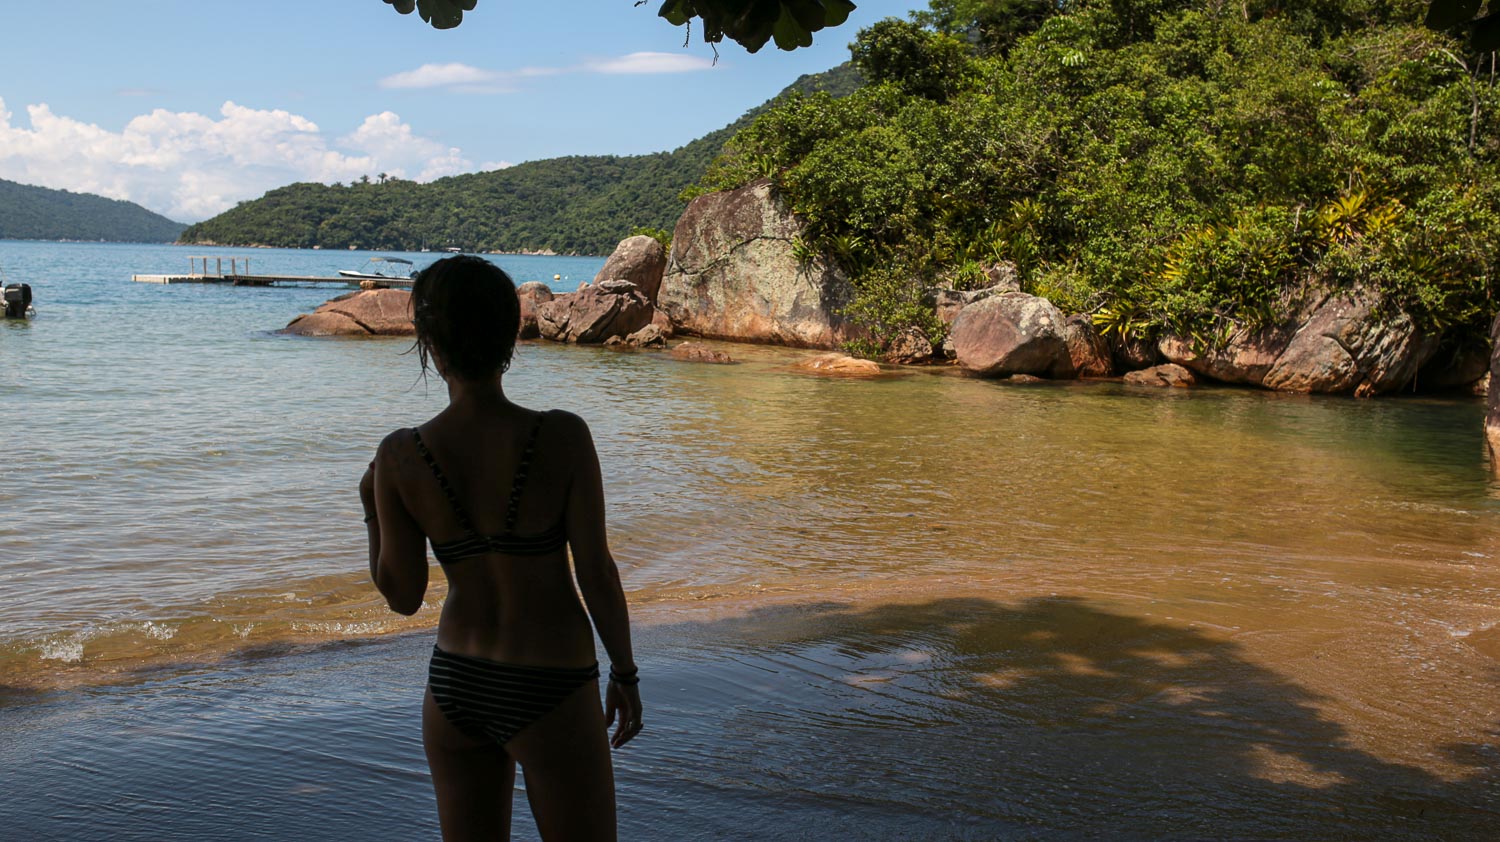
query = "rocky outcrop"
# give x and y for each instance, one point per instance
(841, 365)
(1346, 347)
(1011, 333)
(594, 313)
(733, 274)
(1088, 354)
(697, 352)
(1167, 375)
(533, 294)
(1247, 357)
(1492, 416)
(1339, 342)
(378, 312)
(639, 259)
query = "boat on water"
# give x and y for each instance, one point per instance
(382, 269)
(16, 299)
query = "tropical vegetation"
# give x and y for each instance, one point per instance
(40, 213)
(573, 205)
(1165, 165)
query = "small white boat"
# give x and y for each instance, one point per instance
(382, 269)
(15, 300)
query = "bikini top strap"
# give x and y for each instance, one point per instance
(522, 468)
(437, 473)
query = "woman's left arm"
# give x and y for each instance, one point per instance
(398, 548)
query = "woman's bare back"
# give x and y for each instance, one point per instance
(506, 607)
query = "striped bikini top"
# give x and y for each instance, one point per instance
(507, 542)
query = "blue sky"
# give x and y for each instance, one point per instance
(188, 107)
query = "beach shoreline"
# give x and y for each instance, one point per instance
(928, 716)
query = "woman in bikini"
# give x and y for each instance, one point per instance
(503, 492)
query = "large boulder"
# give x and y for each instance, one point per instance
(1012, 333)
(376, 312)
(1246, 357)
(1336, 342)
(1492, 417)
(641, 260)
(533, 294)
(733, 274)
(1346, 346)
(595, 313)
(1088, 354)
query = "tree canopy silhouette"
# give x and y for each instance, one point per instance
(750, 23)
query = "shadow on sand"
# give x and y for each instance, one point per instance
(1049, 717)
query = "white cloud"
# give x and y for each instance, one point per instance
(651, 63)
(464, 78)
(441, 76)
(190, 166)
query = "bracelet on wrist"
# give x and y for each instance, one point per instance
(371, 516)
(629, 679)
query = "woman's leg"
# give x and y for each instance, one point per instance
(570, 783)
(474, 780)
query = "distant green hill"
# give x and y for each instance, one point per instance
(37, 213)
(572, 205)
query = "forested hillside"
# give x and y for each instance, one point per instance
(1169, 166)
(573, 205)
(37, 213)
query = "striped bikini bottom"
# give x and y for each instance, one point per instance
(490, 700)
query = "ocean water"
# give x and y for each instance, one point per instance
(939, 606)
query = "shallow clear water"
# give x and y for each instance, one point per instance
(947, 606)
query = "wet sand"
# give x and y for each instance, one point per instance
(880, 717)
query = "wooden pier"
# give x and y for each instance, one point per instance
(201, 272)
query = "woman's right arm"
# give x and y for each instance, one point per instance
(599, 578)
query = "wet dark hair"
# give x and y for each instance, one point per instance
(465, 308)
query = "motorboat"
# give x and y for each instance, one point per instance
(382, 269)
(16, 299)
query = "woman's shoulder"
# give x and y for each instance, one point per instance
(566, 426)
(396, 443)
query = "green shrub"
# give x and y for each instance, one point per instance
(1165, 165)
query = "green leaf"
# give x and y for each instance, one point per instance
(837, 12)
(1445, 14)
(444, 14)
(809, 13)
(676, 12)
(789, 33)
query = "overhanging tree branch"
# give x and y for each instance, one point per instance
(749, 23)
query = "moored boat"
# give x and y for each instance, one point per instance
(382, 269)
